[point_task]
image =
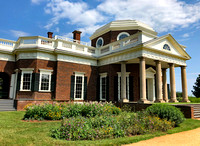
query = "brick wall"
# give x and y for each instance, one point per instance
(63, 80)
(111, 36)
(112, 70)
(36, 64)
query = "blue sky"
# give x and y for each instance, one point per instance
(35, 17)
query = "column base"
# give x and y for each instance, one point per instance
(185, 100)
(173, 100)
(166, 100)
(159, 101)
(143, 101)
(124, 100)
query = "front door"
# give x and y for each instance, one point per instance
(4, 85)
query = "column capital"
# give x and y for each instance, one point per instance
(170, 64)
(123, 62)
(141, 58)
(157, 61)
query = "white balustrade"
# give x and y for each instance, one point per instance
(75, 46)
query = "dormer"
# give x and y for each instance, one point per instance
(117, 30)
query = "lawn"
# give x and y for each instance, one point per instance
(13, 131)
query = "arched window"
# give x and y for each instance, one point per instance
(99, 42)
(122, 35)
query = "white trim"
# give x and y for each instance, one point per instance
(25, 70)
(102, 75)
(122, 34)
(100, 38)
(119, 85)
(46, 72)
(79, 74)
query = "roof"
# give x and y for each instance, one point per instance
(123, 25)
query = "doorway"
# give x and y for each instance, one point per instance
(4, 85)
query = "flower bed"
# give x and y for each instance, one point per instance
(57, 111)
(100, 127)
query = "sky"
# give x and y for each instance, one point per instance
(180, 18)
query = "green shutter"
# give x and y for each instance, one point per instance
(18, 81)
(131, 89)
(116, 88)
(85, 88)
(98, 89)
(35, 82)
(107, 88)
(72, 87)
(53, 82)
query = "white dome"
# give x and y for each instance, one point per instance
(123, 25)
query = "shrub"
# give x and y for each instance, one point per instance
(194, 100)
(58, 110)
(167, 112)
(99, 127)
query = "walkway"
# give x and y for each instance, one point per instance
(186, 138)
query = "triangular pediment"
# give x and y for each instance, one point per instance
(167, 44)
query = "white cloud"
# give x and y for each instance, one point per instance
(37, 1)
(17, 33)
(162, 15)
(186, 35)
(74, 12)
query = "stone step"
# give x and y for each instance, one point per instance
(8, 109)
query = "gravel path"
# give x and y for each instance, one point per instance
(186, 138)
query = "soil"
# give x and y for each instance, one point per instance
(36, 121)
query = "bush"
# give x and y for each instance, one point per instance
(99, 127)
(57, 111)
(167, 112)
(194, 100)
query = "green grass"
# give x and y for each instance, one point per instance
(13, 131)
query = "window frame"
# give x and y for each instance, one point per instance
(103, 75)
(79, 74)
(100, 38)
(118, 36)
(45, 72)
(119, 85)
(25, 71)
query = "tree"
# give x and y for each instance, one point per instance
(196, 87)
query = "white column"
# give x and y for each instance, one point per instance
(123, 82)
(164, 79)
(184, 84)
(158, 82)
(143, 98)
(172, 83)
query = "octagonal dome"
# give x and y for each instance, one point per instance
(123, 25)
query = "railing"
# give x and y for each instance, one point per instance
(70, 45)
(127, 42)
(7, 44)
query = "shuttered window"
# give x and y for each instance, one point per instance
(26, 79)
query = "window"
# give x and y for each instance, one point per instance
(45, 80)
(119, 85)
(103, 86)
(99, 42)
(79, 86)
(166, 47)
(122, 35)
(26, 78)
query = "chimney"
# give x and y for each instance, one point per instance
(50, 34)
(77, 35)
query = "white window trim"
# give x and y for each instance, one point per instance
(102, 75)
(119, 84)
(25, 70)
(82, 92)
(122, 34)
(100, 38)
(47, 72)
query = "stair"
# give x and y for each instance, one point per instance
(7, 105)
(196, 110)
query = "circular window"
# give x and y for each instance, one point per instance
(122, 35)
(166, 47)
(99, 42)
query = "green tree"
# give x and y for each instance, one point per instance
(196, 87)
